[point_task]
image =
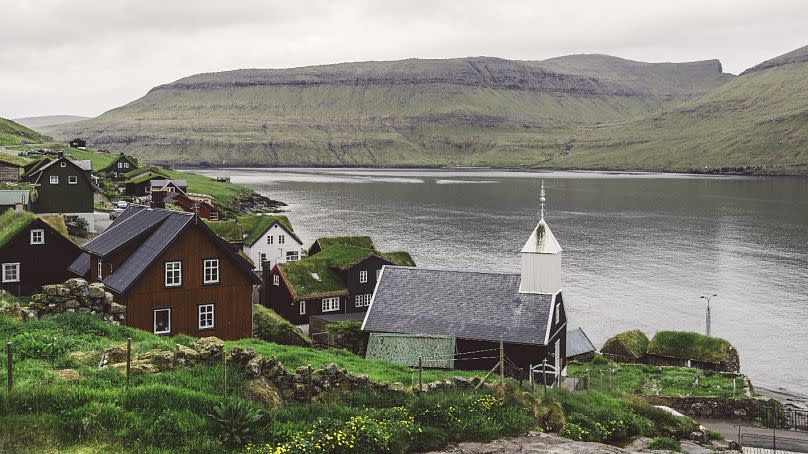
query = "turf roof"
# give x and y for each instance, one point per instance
(355, 241)
(13, 160)
(635, 341)
(145, 177)
(142, 170)
(690, 345)
(327, 264)
(253, 226)
(11, 223)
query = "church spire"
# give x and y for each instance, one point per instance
(541, 257)
(542, 199)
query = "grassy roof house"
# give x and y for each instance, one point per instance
(323, 243)
(628, 346)
(695, 347)
(249, 228)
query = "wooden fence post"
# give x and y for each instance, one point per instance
(308, 383)
(501, 361)
(420, 374)
(128, 361)
(544, 374)
(10, 367)
(530, 376)
(224, 365)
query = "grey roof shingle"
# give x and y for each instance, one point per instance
(463, 304)
(81, 265)
(122, 232)
(578, 343)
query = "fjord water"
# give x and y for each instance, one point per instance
(639, 249)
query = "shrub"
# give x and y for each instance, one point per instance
(665, 443)
(235, 422)
(348, 335)
(77, 226)
(600, 360)
(713, 435)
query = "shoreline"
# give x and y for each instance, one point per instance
(790, 399)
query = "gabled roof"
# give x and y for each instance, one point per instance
(15, 161)
(33, 166)
(145, 176)
(252, 227)
(83, 165)
(462, 304)
(542, 240)
(328, 264)
(357, 241)
(578, 343)
(164, 182)
(152, 231)
(142, 170)
(12, 223)
(112, 165)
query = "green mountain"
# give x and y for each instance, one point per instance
(580, 111)
(12, 133)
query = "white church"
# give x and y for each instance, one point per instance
(443, 313)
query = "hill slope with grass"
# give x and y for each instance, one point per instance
(465, 111)
(12, 133)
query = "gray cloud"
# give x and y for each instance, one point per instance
(85, 57)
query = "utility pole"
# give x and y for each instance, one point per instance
(707, 322)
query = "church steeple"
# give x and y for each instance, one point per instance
(541, 258)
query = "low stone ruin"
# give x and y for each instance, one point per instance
(270, 382)
(76, 295)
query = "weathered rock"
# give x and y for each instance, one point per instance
(186, 356)
(242, 356)
(96, 291)
(161, 359)
(137, 367)
(72, 303)
(264, 391)
(460, 381)
(13, 311)
(67, 375)
(210, 349)
(538, 444)
(112, 356)
(254, 367)
(117, 309)
(396, 386)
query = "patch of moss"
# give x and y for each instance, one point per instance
(11, 223)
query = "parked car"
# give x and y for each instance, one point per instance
(115, 213)
(121, 204)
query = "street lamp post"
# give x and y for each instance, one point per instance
(708, 298)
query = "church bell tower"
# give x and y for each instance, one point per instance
(541, 258)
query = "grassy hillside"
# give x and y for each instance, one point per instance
(410, 112)
(12, 133)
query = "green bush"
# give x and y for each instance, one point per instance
(665, 443)
(348, 335)
(600, 360)
(713, 435)
(235, 422)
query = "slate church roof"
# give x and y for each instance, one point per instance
(463, 304)
(578, 343)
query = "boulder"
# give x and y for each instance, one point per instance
(113, 355)
(242, 356)
(76, 285)
(460, 381)
(210, 349)
(264, 391)
(96, 291)
(255, 367)
(161, 359)
(117, 309)
(186, 356)
(72, 303)
(396, 386)
(137, 367)
(13, 311)
(67, 375)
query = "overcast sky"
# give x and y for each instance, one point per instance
(83, 57)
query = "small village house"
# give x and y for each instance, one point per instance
(10, 168)
(173, 274)
(198, 204)
(138, 183)
(456, 319)
(64, 187)
(579, 347)
(336, 280)
(34, 251)
(266, 239)
(167, 185)
(121, 165)
(78, 143)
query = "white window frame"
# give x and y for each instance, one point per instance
(100, 269)
(362, 300)
(270, 239)
(214, 215)
(54, 179)
(40, 233)
(11, 266)
(295, 256)
(154, 321)
(330, 304)
(120, 165)
(363, 276)
(176, 279)
(62, 164)
(211, 265)
(72, 179)
(303, 307)
(281, 239)
(201, 316)
(276, 280)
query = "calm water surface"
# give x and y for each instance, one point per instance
(639, 249)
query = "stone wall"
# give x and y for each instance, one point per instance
(715, 407)
(76, 295)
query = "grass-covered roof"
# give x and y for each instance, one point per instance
(13, 160)
(11, 223)
(690, 345)
(327, 264)
(146, 176)
(356, 241)
(142, 170)
(635, 341)
(251, 225)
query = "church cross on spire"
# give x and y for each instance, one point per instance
(542, 200)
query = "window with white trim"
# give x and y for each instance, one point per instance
(173, 275)
(63, 164)
(331, 304)
(100, 270)
(303, 308)
(270, 239)
(11, 272)
(211, 271)
(363, 276)
(120, 165)
(214, 215)
(276, 280)
(362, 300)
(72, 179)
(54, 179)
(281, 239)
(37, 236)
(162, 321)
(206, 316)
(292, 256)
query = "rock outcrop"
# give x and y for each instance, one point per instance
(76, 295)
